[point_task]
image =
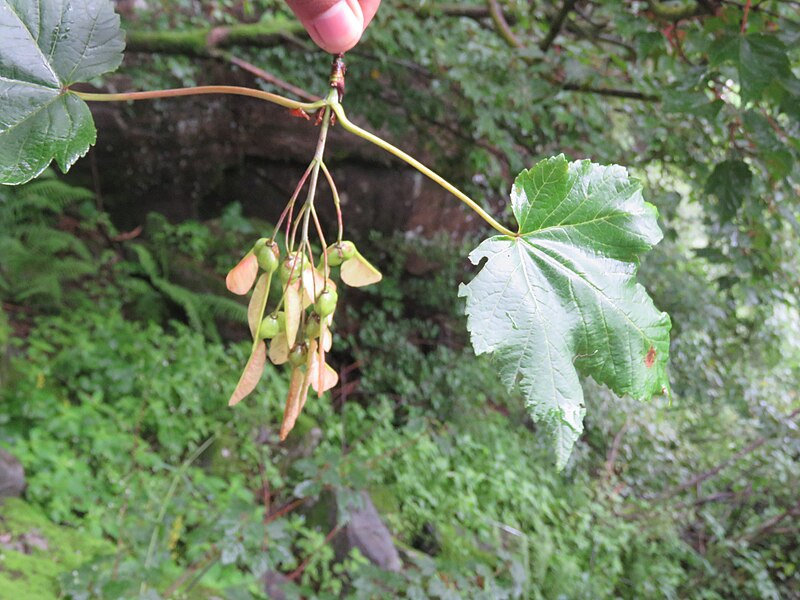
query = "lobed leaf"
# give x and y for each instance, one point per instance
(45, 46)
(561, 298)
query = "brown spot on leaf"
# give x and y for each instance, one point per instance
(650, 359)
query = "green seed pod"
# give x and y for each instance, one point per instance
(326, 303)
(270, 327)
(348, 249)
(298, 355)
(268, 256)
(313, 327)
(340, 252)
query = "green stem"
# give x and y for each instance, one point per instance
(322, 241)
(199, 91)
(290, 204)
(165, 504)
(320, 150)
(290, 239)
(308, 205)
(336, 202)
(371, 137)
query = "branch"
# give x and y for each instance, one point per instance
(508, 35)
(206, 42)
(769, 524)
(603, 91)
(269, 77)
(754, 445)
(744, 17)
(202, 41)
(555, 26)
(302, 566)
(503, 28)
(469, 11)
(614, 452)
(594, 32)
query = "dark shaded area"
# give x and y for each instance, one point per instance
(188, 158)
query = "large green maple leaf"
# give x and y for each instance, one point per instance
(45, 46)
(561, 298)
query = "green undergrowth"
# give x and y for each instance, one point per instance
(117, 410)
(105, 437)
(34, 550)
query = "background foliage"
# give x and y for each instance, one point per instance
(115, 373)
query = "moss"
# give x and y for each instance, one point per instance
(675, 12)
(34, 575)
(202, 41)
(385, 500)
(457, 547)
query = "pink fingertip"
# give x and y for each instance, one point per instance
(339, 28)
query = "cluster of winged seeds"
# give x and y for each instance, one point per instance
(297, 332)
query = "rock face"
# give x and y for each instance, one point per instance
(192, 157)
(361, 527)
(12, 476)
(365, 530)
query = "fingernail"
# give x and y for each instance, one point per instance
(338, 28)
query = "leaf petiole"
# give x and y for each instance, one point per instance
(199, 91)
(381, 143)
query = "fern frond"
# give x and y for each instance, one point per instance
(41, 239)
(227, 309)
(184, 298)
(53, 194)
(146, 261)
